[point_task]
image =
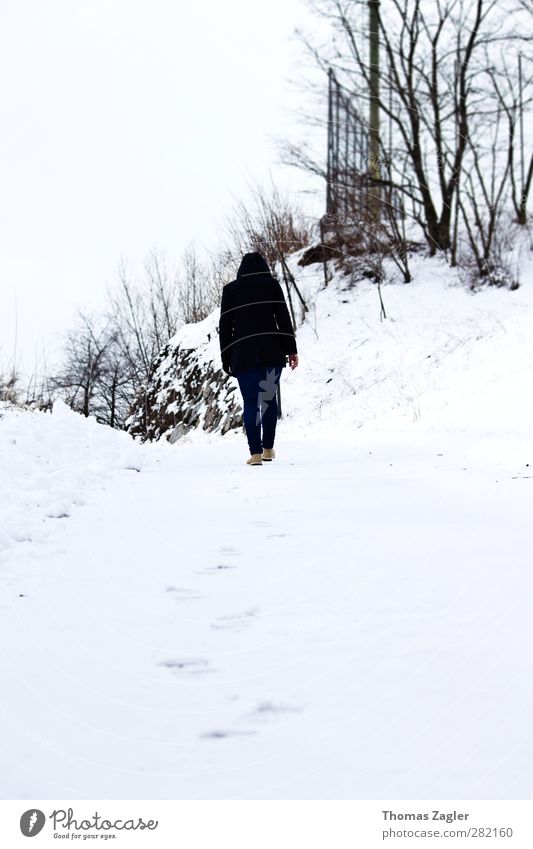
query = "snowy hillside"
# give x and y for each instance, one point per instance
(350, 621)
(442, 354)
(440, 347)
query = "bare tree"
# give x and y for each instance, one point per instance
(144, 315)
(435, 94)
(162, 299)
(482, 197)
(198, 287)
(513, 96)
(109, 358)
(84, 364)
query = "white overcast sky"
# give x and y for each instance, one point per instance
(126, 126)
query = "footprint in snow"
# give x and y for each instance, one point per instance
(187, 665)
(183, 594)
(229, 551)
(221, 734)
(267, 711)
(218, 567)
(235, 621)
(263, 713)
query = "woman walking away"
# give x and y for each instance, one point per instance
(256, 336)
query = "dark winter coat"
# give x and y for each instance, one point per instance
(255, 327)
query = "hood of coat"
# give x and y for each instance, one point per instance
(252, 265)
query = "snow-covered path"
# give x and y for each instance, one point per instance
(351, 621)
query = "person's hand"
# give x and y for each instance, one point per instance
(293, 361)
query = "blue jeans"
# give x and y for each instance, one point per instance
(260, 407)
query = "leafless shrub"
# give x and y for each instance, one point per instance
(9, 387)
(270, 224)
(362, 240)
(499, 268)
(275, 227)
(199, 287)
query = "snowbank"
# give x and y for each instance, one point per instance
(50, 462)
(441, 353)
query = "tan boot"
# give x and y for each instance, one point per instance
(268, 454)
(254, 460)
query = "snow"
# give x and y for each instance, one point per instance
(350, 621)
(191, 336)
(439, 346)
(48, 463)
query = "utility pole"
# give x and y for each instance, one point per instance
(374, 170)
(522, 213)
